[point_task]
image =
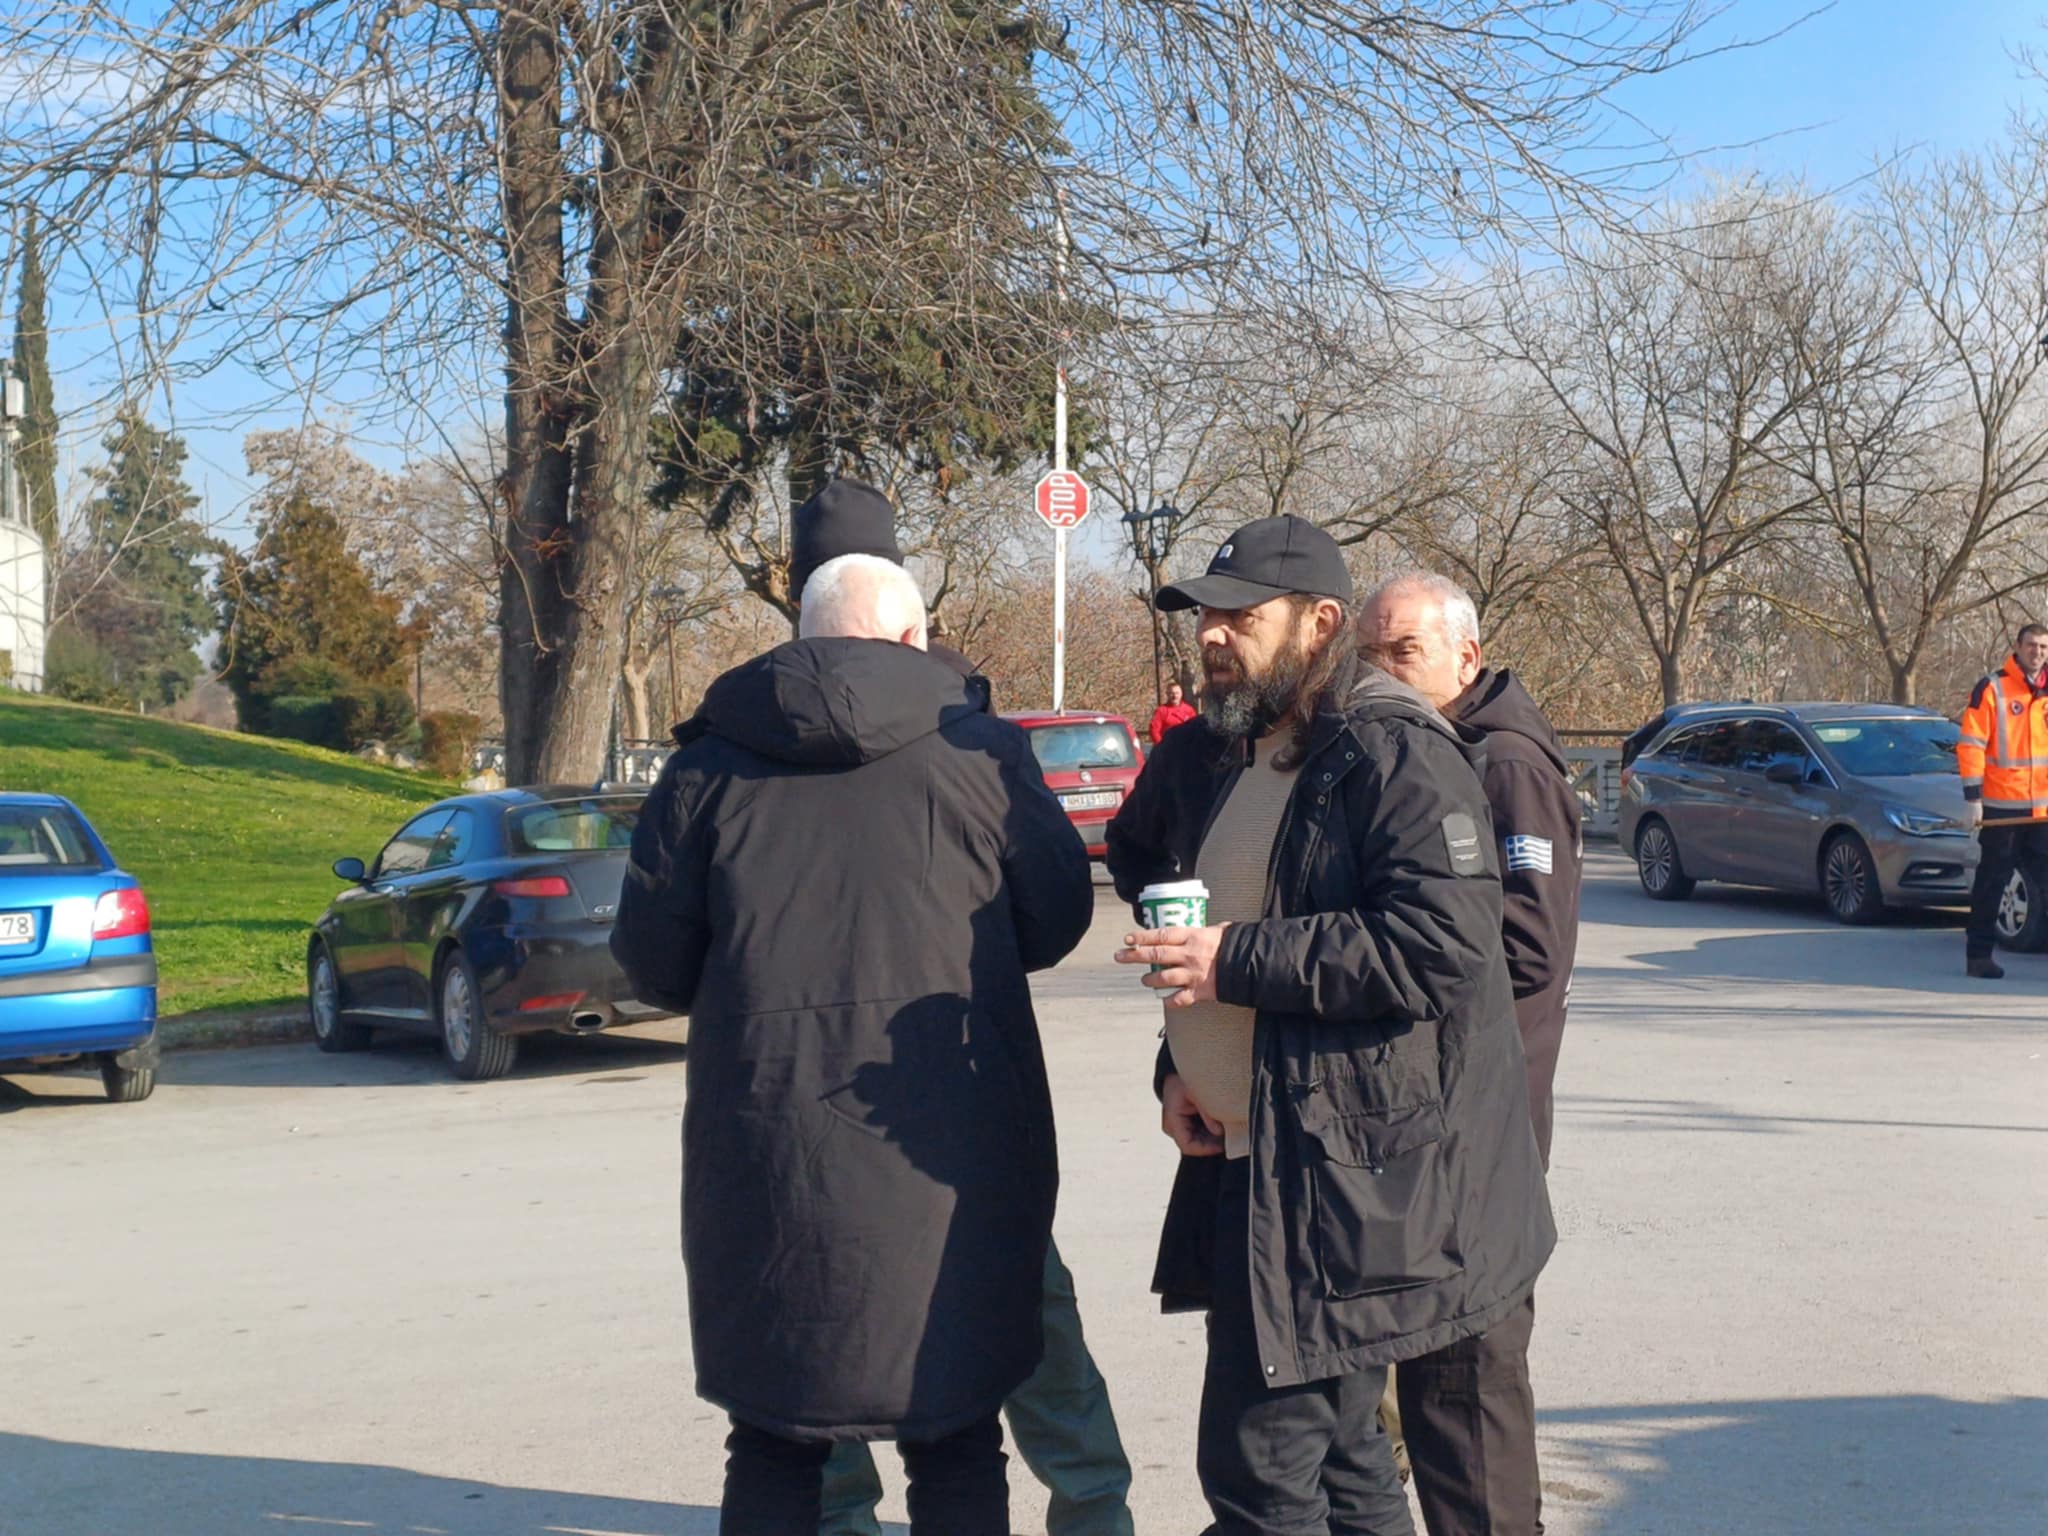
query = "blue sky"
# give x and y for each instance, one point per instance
(1847, 86)
(1826, 101)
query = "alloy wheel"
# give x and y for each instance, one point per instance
(458, 1012)
(325, 1014)
(2013, 906)
(1654, 855)
(1848, 878)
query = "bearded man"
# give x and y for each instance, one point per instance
(1359, 1181)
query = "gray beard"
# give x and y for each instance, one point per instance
(1252, 705)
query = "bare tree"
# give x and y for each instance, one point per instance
(1678, 364)
(1933, 471)
(618, 200)
(427, 535)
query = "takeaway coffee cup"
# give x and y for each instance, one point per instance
(1175, 904)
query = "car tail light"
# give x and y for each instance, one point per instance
(537, 885)
(120, 915)
(551, 1003)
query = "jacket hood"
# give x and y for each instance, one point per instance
(1369, 693)
(1366, 694)
(1497, 701)
(832, 702)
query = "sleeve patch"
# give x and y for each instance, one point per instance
(1461, 842)
(1532, 855)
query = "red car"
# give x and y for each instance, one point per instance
(1090, 761)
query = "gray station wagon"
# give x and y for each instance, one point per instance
(1859, 803)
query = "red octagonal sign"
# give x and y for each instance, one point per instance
(1063, 499)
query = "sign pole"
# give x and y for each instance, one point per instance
(1059, 461)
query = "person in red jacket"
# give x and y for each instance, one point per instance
(1175, 711)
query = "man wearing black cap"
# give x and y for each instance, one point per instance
(850, 517)
(1359, 1182)
(1060, 1419)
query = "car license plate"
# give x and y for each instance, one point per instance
(1091, 800)
(17, 928)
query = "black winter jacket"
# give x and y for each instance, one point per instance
(843, 877)
(1537, 825)
(1398, 1202)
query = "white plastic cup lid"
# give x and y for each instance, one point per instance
(1174, 890)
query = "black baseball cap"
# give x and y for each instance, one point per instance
(1264, 560)
(846, 517)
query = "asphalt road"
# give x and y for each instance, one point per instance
(1801, 1175)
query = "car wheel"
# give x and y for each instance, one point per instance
(126, 1085)
(474, 1049)
(1658, 865)
(2023, 909)
(331, 1032)
(1848, 880)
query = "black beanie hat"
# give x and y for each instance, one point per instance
(847, 517)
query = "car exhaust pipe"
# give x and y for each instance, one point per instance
(587, 1023)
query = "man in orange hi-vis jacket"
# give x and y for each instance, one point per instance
(2003, 755)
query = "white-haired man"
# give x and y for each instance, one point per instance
(1467, 1412)
(843, 876)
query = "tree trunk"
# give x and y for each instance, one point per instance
(535, 487)
(587, 610)
(1905, 682)
(636, 711)
(1671, 673)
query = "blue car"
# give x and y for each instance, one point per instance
(77, 971)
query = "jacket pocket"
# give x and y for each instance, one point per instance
(1382, 1215)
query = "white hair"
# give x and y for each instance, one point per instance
(1460, 613)
(864, 597)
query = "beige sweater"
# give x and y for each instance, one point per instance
(1212, 1042)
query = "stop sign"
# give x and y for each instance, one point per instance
(1063, 499)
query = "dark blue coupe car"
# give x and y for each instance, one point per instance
(486, 917)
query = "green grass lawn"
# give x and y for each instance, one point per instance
(232, 836)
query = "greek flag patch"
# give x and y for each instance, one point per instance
(1531, 854)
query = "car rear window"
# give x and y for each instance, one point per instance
(1063, 748)
(572, 826)
(43, 837)
(1875, 749)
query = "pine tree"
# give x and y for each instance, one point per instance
(136, 585)
(37, 456)
(313, 649)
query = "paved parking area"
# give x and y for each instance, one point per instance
(1801, 1174)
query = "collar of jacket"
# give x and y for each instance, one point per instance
(1358, 694)
(2017, 672)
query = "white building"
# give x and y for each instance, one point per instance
(24, 590)
(23, 605)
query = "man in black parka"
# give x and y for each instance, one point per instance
(1469, 1410)
(1388, 1198)
(1060, 1421)
(844, 878)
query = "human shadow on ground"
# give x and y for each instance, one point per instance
(64, 1488)
(1845, 957)
(1829, 1466)
(1698, 1116)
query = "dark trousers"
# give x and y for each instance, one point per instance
(774, 1486)
(1469, 1418)
(1999, 852)
(1309, 1460)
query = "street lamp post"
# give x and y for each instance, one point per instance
(1152, 532)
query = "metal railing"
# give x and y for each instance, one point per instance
(1596, 779)
(631, 762)
(1595, 772)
